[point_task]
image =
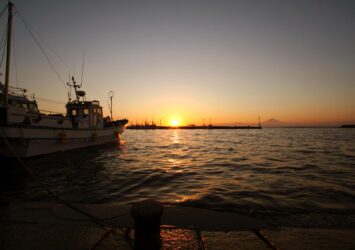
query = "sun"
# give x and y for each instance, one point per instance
(174, 123)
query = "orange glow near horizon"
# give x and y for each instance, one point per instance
(194, 65)
(184, 117)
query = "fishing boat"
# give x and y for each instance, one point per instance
(26, 131)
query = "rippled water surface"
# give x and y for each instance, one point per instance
(268, 170)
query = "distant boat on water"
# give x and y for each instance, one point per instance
(27, 131)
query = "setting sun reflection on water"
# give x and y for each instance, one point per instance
(270, 170)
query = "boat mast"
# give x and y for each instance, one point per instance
(8, 54)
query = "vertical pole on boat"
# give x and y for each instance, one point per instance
(110, 94)
(8, 52)
(259, 122)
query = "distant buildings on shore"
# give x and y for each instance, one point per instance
(190, 126)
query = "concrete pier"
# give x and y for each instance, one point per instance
(53, 226)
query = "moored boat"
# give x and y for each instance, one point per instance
(27, 131)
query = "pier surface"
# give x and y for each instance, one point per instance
(53, 226)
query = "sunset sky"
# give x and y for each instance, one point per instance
(229, 61)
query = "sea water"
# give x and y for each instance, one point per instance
(271, 170)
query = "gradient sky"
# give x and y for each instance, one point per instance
(230, 61)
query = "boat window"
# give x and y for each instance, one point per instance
(32, 107)
(99, 111)
(22, 105)
(74, 112)
(85, 112)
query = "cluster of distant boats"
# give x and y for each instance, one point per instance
(154, 126)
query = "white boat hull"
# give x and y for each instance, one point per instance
(33, 141)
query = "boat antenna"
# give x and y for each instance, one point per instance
(69, 89)
(69, 95)
(110, 94)
(8, 55)
(75, 86)
(82, 70)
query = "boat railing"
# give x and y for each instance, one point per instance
(120, 118)
(51, 113)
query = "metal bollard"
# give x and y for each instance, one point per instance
(146, 216)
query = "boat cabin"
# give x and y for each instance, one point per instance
(23, 104)
(85, 114)
(80, 113)
(18, 108)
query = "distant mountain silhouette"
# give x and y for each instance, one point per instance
(273, 123)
